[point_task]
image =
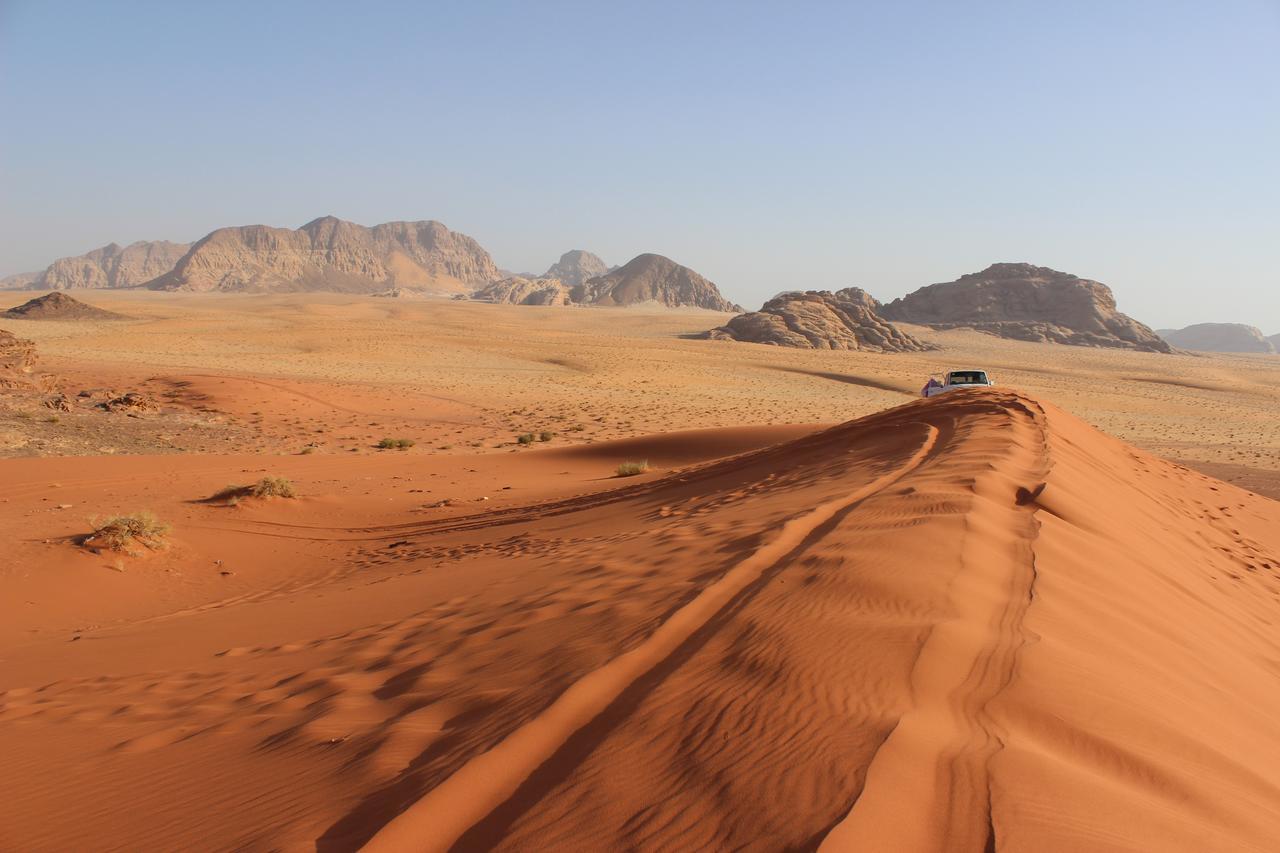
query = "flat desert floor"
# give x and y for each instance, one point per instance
(829, 615)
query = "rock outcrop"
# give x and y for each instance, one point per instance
(818, 319)
(576, 267)
(1028, 303)
(58, 306)
(331, 254)
(652, 278)
(518, 290)
(1219, 337)
(110, 266)
(17, 362)
(1275, 342)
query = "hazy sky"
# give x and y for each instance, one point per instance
(770, 146)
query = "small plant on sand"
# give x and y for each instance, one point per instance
(546, 435)
(273, 487)
(122, 532)
(267, 487)
(396, 443)
(630, 469)
(525, 438)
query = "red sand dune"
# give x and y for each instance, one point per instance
(967, 623)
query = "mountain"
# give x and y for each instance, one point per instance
(1275, 342)
(1027, 303)
(58, 306)
(107, 267)
(653, 278)
(519, 290)
(576, 267)
(1219, 337)
(18, 281)
(818, 319)
(332, 254)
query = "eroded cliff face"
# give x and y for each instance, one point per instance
(1029, 303)
(844, 320)
(332, 254)
(17, 363)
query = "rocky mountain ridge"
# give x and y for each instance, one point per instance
(818, 319)
(332, 254)
(1219, 337)
(1029, 303)
(110, 266)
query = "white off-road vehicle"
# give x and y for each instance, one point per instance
(954, 380)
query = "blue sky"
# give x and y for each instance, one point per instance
(770, 146)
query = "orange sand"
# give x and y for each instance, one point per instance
(970, 623)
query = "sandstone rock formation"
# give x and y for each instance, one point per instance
(58, 306)
(1275, 342)
(1219, 337)
(110, 266)
(17, 362)
(652, 278)
(518, 290)
(1028, 303)
(576, 267)
(331, 254)
(818, 319)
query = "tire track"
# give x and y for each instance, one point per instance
(446, 813)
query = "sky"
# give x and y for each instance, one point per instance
(769, 146)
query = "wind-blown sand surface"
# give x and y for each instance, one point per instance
(974, 622)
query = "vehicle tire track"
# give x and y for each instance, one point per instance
(446, 813)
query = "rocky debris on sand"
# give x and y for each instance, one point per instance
(129, 402)
(1219, 337)
(58, 306)
(1028, 303)
(819, 319)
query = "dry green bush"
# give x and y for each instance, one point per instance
(525, 438)
(630, 469)
(267, 487)
(396, 443)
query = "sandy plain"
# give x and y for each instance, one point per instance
(830, 615)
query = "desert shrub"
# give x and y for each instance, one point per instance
(525, 438)
(630, 469)
(122, 532)
(267, 487)
(396, 443)
(273, 487)
(546, 435)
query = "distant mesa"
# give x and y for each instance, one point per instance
(19, 281)
(818, 319)
(1027, 303)
(1275, 342)
(111, 266)
(58, 306)
(519, 290)
(1219, 337)
(645, 279)
(335, 255)
(576, 267)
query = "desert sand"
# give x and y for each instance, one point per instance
(829, 616)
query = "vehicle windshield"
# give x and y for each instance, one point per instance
(968, 377)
